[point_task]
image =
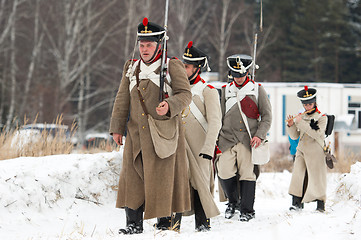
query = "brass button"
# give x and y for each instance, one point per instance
(240, 121)
(142, 114)
(143, 88)
(143, 100)
(240, 130)
(184, 122)
(143, 127)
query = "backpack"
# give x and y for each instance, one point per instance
(330, 124)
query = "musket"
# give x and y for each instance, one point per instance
(300, 114)
(255, 66)
(254, 56)
(163, 68)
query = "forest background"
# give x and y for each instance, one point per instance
(66, 57)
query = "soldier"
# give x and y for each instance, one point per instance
(159, 187)
(235, 167)
(308, 181)
(202, 121)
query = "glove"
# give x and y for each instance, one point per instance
(314, 125)
(205, 156)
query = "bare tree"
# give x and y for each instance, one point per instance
(188, 19)
(13, 66)
(36, 48)
(223, 28)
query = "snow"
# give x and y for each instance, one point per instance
(73, 197)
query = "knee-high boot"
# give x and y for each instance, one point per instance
(248, 191)
(202, 222)
(230, 189)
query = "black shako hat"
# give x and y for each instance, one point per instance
(239, 64)
(195, 56)
(150, 31)
(307, 95)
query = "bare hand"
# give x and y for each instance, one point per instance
(162, 108)
(289, 120)
(255, 142)
(118, 138)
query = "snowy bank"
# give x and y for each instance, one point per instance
(73, 196)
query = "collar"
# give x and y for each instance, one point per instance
(243, 84)
(314, 110)
(196, 80)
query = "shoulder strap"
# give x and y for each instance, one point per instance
(244, 117)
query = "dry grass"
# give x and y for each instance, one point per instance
(32, 143)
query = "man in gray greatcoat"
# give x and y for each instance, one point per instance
(236, 172)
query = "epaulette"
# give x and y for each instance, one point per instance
(224, 86)
(134, 60)
(210, 86)
(259, 84)
(173, 58)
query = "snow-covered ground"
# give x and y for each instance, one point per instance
(69, 197)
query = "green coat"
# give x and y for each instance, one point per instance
(161, 184)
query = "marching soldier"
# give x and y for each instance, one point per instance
(237, 174)
(158, 186)
(202, 121)
(308, 181)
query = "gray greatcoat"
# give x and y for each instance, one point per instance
(201, 141)
(234, 130)
(309, 157)
(161, 184)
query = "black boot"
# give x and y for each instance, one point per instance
(229, 187)
(296, 203)
(134, 221)
(163, 223)
(169, 223)
(202, 222)
(248, 191)
(320, 206)
(176, 222)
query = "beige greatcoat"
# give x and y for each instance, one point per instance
(200, 141)
(309, 157)
(161, 184)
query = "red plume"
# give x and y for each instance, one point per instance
(190, 44)
(145, 21)
(306, 88)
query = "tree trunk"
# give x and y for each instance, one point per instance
(13, 69)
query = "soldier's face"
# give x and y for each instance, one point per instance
(190, 69)
(240, 80)
(309, 106)
(147, 49)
